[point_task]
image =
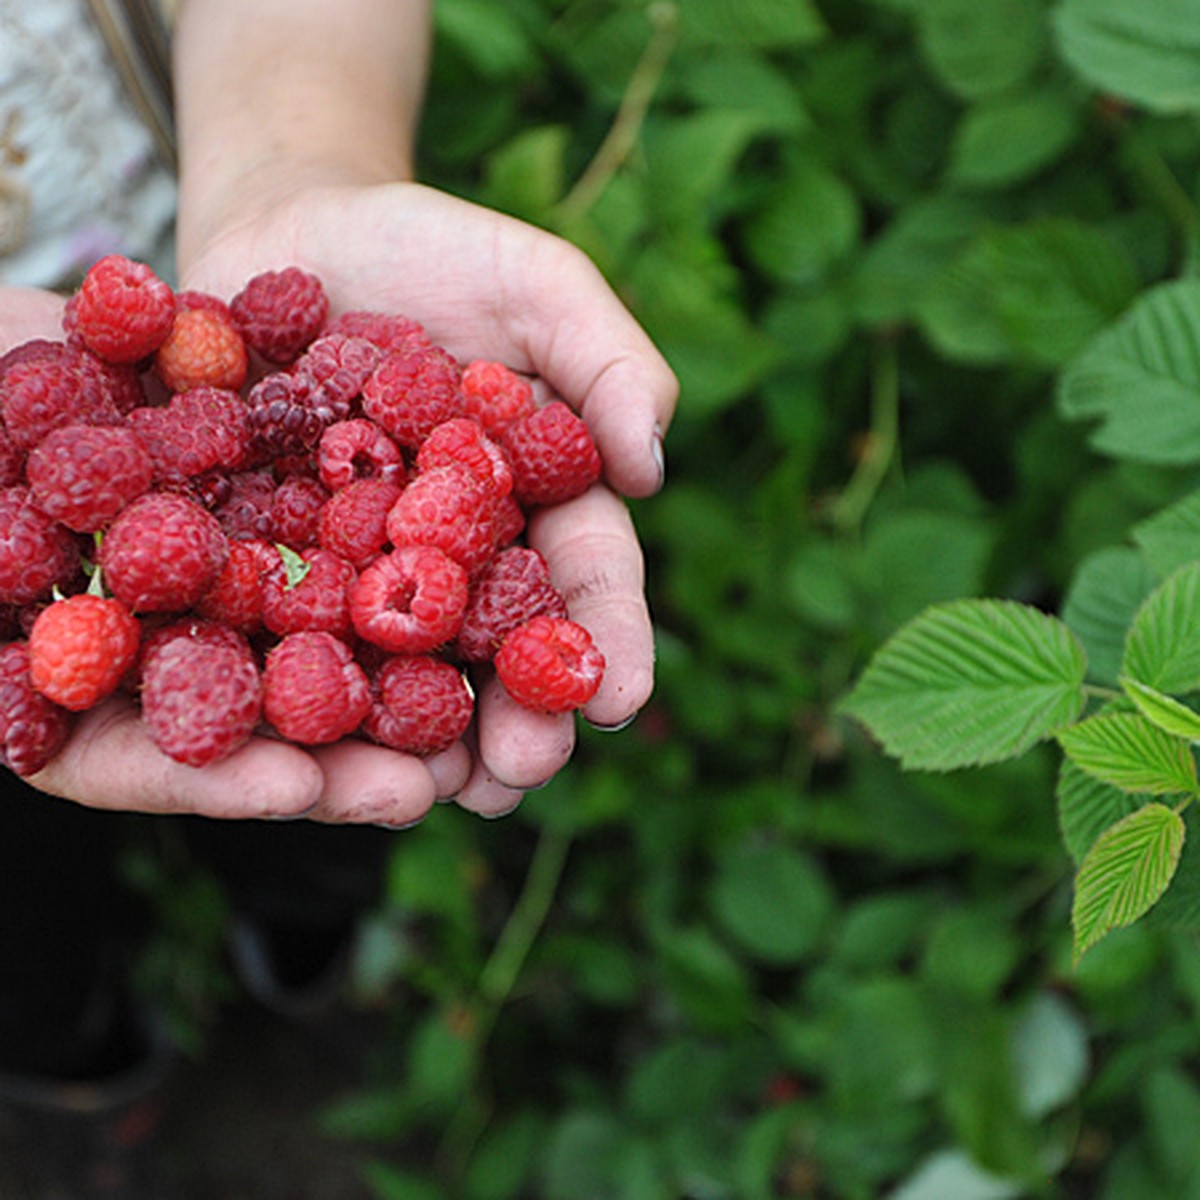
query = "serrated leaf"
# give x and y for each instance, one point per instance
(1131, 753)
(1125, 873)
(970, 682)
(1163, 647)
(1087, 807)
(1165, 712)
(1171, 537)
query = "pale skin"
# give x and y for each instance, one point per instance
(296, 122)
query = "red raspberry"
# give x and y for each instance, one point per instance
(201, 700)
(158, 632)
(412, 391)
(295, 510)
(32, 728)
(202, 349)
(421, 705)
(510, 521)
(339, 364)
(12, 461)
(120, 382)
(124, 311)
(162, 553)
(409, 601)
(200, 430)
(449, 508)
(462, 441)
(288, 413)
(552, 455)
(358, 449)
(245, 512)
(50, 390)
(36, 552)
(308, 591)
(80, 649)
(353, 521)
(191, 299)
(236, 597)
(550, 664)
(389, 331)
(83, 475)
(313, 690)
(494, 395)
(280, 312)
(513, 588)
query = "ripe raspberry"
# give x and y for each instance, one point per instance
(513, 588)
(421, 705)
(159, 632)
(308, 591)
(550, 664)
(32, 728)
(409, 601)
(12, 461)
(36, 552)
(313, 690)
(236, 596)
(201, 700)
(358, 449)
(50, 390)
(83, 475)
(202, 349)
(389, 331)
(412, 391)
(353, 521)
(339, 364)
(192, 300)
(462, 441)
(295, 510)
(288, 413)
(80, 649)
(280, 312)
(245, 512)
(124, 311)
(162, 553)
(449, 508)
(509, 523)
(552, 455)
(494, 395)
(120, 382)
(200, 430)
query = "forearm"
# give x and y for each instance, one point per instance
(275, 94)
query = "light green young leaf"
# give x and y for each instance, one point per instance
(1165, 712)
(1087, 807)
(1125, 873)
(1129, 752)
(970, 682)
(1163, 646)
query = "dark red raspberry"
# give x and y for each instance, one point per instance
(83, 475)
(80, 649)
(201, 700)
(236, 597)
(412, 391)
(422, 705)
(246, 511)
(358, 449)
(37, 553)
(162, 553)
(203, 349)
(280, 312)
(200, 430)
(353, 521)
(296, 509)
(494, 395)
(308, 591)
(120, 382)
(513, 588)
(409, 601)
(389, 331)
(461, 441)
(288, 413)
(339, 364)
(449, 508)
(314, 692)
(32, 728)
(123, 311)
(51, 390)
(12, 461)
(550, 664)
(552, 455)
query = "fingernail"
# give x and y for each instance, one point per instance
(658, 453)
(629, 720)
(504, 812)
(403, 825)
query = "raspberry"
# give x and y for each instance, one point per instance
(353, 521)
(236, 597)
(307, 591)
(409, 601)
(123, 311)
(449, 508)
(83, 475)
(509, 521)
(12, 461)
(421, 705)
(513, 588)
(313, 690)
(339, 364)
(53, 389)
(36, 552)
(358, 449)
(550, 664)
(197, 431)
(202, 349)
(191, 300)
(32, 728)
(162, 553)
(412, 391)
(80, 648)
(295, 510)
(462, 441)
(494, 395)
(120, 382)
(288, 413)
(201, 700)
(280, 312)
(389, 331)
(552, 455)
(245, 512)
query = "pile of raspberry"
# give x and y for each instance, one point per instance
(255, 516)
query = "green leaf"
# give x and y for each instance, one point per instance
(970, 682)
(1141, 378)
(766, 24)
(1125, 873)
(1148, 52)
(952, 1173)
(1087, 807)
(1165, 712)
(1171, 537)
(1163, 648)
(1129, 752)
(1050, 1044)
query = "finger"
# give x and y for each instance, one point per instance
(592, 550)
(450, 770)
(518, 748)
(29, 313)
(367, 784)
